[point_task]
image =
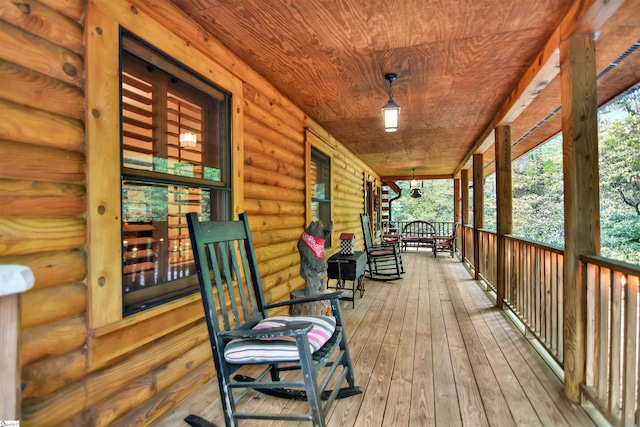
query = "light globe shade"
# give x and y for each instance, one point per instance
(391, 112)
(415, 193)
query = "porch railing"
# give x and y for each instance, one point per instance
(488, 251)
(467, 235)
(533, 284)
(534, 294)
(534, 289)
(612, 338)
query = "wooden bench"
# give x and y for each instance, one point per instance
(418, 233)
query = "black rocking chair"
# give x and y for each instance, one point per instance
(384, 262)
(242, 334)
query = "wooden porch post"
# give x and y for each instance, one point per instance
(456, 200)
(504, 205)
(581, 194)
(14, 279)
(464, 187)
(478, 209)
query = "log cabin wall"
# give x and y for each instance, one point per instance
(80, 365)
(349, 183)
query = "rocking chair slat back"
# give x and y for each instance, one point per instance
(366, 231)
(229, 261)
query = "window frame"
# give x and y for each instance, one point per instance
(148, 65)
(324, 204)
(315, 142)
(104, 246)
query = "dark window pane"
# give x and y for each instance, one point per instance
(321, 188)
(175, 160)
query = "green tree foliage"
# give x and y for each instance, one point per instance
(538, 191)
(436, 203)
(619, 147)
(490, 212)
(538, 198)
(629, 103)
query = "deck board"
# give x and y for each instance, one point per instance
(397, 407)
(422, 411)
(376, 405)
(447, 404)
(495, 404)
(428, 349)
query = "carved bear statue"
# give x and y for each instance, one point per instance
(312, 262)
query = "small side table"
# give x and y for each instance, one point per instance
(347, 267)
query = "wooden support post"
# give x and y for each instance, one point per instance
(478, 208)
(581, 195)
(456, 214)
(464, 187)
(13, 280)
(456, 200)
(9, 360)
(504, 205)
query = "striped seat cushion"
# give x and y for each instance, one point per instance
(281, 349)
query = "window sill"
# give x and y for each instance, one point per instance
(132, 332)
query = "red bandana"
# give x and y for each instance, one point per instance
(316, 244)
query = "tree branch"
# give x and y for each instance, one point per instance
(630, 202)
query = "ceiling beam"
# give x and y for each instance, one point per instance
(417, 177)
(544, 75)
(391, 184)
(585, 16)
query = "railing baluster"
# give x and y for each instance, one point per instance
(593, 313)
(530, 291)
(546, 292)
(602, 382)
(616, 344)
(538, 291)
(560, 309)
(553, 300)
(630, 369)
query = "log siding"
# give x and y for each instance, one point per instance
(82, 363)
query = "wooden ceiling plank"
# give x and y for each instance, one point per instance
(584, 16)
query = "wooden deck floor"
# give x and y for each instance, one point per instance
(429, 349)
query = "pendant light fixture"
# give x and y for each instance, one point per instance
(416, 192)
(391, 110)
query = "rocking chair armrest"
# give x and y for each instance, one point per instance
(313, 298)
(291, 330)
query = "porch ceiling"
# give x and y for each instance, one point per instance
(457, 64)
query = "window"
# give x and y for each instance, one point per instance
(176, 150)
(321, 189)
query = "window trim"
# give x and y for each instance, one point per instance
(313, 140)
(322, 162)
(136, 58)
(103, 247)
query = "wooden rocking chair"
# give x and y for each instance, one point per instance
(384, 262)
(242, 334)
